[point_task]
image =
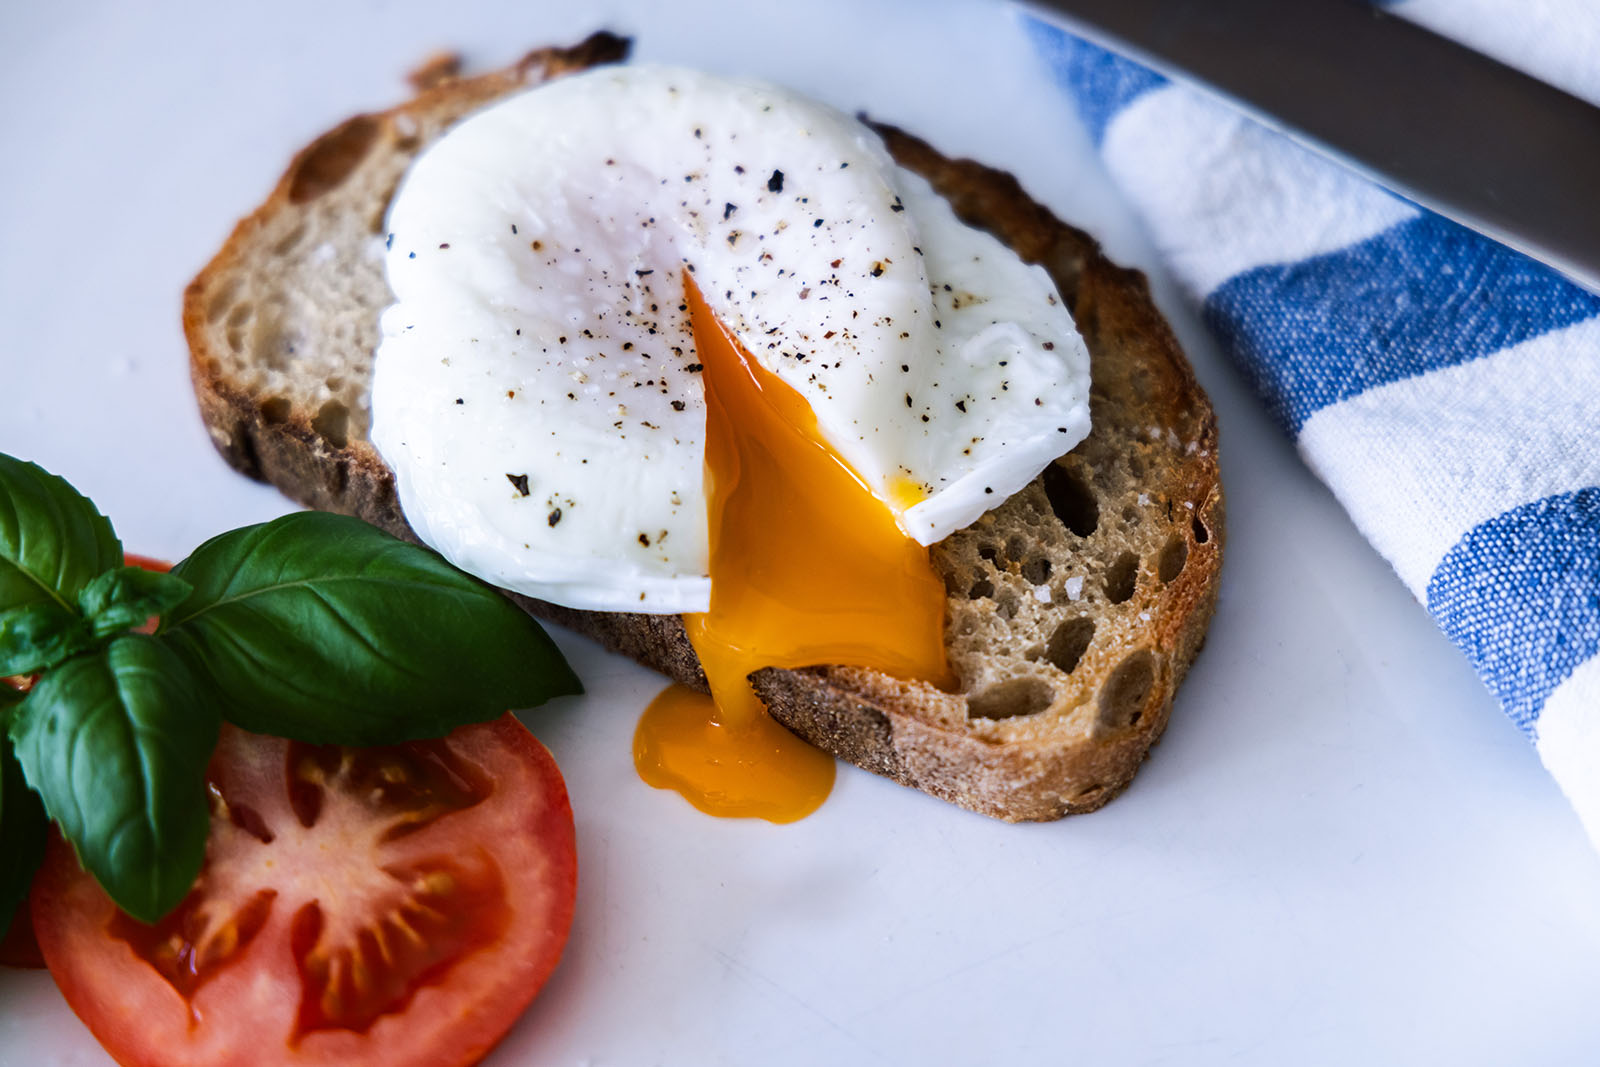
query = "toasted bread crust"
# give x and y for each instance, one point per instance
(994, 747)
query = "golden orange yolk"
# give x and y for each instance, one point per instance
(807, 568)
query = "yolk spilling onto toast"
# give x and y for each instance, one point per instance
(807, 568)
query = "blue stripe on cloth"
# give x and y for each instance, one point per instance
(1421, 295)
(1101, 83)
(1520, 594)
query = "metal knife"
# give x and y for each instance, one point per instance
(1459, 133)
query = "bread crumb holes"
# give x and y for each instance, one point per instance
(332, 421)
(1071, 499)
(1069, 642)
(275, 410)
(1008, 699)
(1122, 578)
(1127, 691)
(1174, 554)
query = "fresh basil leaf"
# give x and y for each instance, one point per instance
(116, 743)
(52, 540)
(23, 827)
(126, 597)
(39, 635)
(321, 628)
(52, 543)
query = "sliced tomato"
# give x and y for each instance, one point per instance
(397, 905)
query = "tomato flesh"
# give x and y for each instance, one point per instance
(394, 905)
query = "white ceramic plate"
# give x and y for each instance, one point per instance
(1340, 852)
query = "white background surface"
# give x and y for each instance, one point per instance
(1340, 853)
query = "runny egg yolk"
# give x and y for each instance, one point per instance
(807, 568)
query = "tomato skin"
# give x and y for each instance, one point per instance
(246, 1012)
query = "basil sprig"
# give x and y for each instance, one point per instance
(314, 627)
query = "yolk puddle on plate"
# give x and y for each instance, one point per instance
(807, 568)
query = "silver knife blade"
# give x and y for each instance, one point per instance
(1460, 134)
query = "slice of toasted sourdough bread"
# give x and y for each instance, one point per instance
(1074, 609)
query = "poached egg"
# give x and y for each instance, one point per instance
(669, 342)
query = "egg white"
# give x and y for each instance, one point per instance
(537, 391)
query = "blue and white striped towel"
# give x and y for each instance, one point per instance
(1446, 388)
